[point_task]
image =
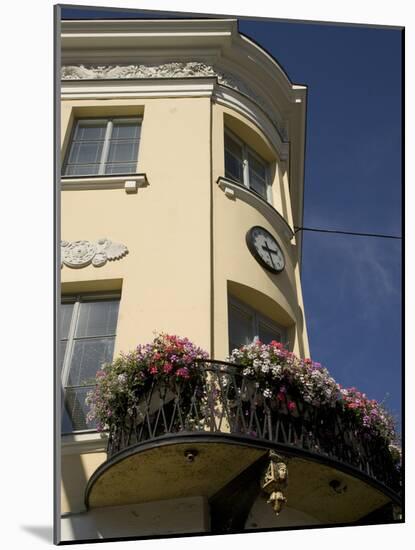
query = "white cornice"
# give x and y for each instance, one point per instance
(207, 26)
(138, 88)
(119, 34)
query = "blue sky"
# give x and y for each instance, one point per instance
(353, 182)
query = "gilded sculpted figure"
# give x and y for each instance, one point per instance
(274, 480)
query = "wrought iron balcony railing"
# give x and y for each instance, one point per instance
(221, 400)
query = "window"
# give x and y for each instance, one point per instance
(245, 166)
(246, 324)
(88, 328)
(103, 146)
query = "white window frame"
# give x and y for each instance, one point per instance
(246, 151)
(257, 318)
(106, 146)
(77, 299)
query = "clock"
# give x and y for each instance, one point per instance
(265, 249)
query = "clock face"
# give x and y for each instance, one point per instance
(265, 249)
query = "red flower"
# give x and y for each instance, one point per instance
(276, 344)
(291, 405)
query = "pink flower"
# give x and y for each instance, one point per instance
(291, 405)
(183, 372)
(167, 368)
(153, 370)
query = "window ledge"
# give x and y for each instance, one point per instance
(92, 442)
(129, 182)
(234, 190)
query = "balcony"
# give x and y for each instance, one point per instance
(201, 435)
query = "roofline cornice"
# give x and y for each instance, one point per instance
(150, 27)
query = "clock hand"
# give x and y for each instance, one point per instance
(269, 250)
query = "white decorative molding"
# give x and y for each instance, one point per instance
(165, 70)
(77, 254)
(80, 183)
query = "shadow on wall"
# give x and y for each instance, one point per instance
(43, 532)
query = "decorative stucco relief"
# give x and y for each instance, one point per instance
(78, 254)
(164, 70)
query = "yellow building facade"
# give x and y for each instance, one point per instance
(179, 138)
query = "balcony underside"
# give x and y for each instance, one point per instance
(159, 470)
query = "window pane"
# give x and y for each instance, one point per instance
(233, 160)
(233, 147)
(75, 410)
(85, 152)
(258, 167)
(66, 316)
(97, 318)
(267, 334)
(125, 130)
(233, 167)
(257, 176)
(121, 168)
(123, 151)
(87, 358)
(257, 184)
(241, 329)
(81, 170)
(90, 131)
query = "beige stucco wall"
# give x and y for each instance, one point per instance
(186, 239)
(76, 471)
(235, 270)
(166, 274)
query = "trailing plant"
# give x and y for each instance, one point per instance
(281, 380)
(121, 385)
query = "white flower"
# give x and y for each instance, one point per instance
(276, 369)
